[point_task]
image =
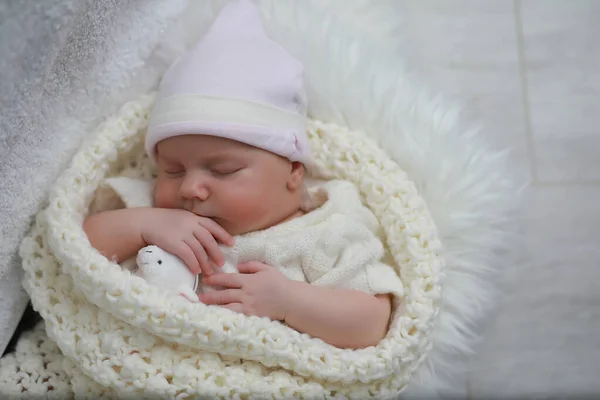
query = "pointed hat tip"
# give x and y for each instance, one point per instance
(242, 16)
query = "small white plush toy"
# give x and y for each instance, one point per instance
(166, 271)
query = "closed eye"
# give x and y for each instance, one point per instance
(225, 171)
(174, 172)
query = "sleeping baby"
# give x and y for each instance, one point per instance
(227, 135)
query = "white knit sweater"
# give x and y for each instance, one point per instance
(335, 244)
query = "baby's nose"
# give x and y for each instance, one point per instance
(194, 187)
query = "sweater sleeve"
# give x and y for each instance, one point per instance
(347, 254)
(122, 192)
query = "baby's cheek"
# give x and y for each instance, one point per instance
(165, 196)
(255, 208)
(160, 201)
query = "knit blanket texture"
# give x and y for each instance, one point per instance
(118, 336)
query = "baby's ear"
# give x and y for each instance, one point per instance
(296, 176)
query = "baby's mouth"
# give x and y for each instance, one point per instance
(190, 207)
(205, 215)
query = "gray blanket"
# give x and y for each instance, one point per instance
(65, 65)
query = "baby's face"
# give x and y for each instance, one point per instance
(240, 187)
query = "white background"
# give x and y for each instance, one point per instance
(530, 71)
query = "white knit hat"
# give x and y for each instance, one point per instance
(236, 84)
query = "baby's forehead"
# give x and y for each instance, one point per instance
(211, 158)
(202, 148)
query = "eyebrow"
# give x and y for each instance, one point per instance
(220, 157)
(168, 160)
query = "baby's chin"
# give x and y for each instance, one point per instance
(241, 229)
(231, 228)
(235, 228)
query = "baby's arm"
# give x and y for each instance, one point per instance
(340, 317)
(117, 234)
(344, 318)
(346, 303)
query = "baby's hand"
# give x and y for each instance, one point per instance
(188, 236)
(258, 289)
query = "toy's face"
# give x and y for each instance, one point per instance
(165, 270)
(151, 261)
(240, 187)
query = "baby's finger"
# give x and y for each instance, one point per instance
(252, 267)
(201, 256)
(232, 281)
(236, 307)
(184, 252)
(221, 297)
(217, 231)
(211, 247)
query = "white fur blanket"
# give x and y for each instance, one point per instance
(464, 184)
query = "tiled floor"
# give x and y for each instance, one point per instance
(529, 70)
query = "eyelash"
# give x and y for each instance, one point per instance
(214, 172)
(219, 173)
(174, 173)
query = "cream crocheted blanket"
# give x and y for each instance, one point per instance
(111, 334)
